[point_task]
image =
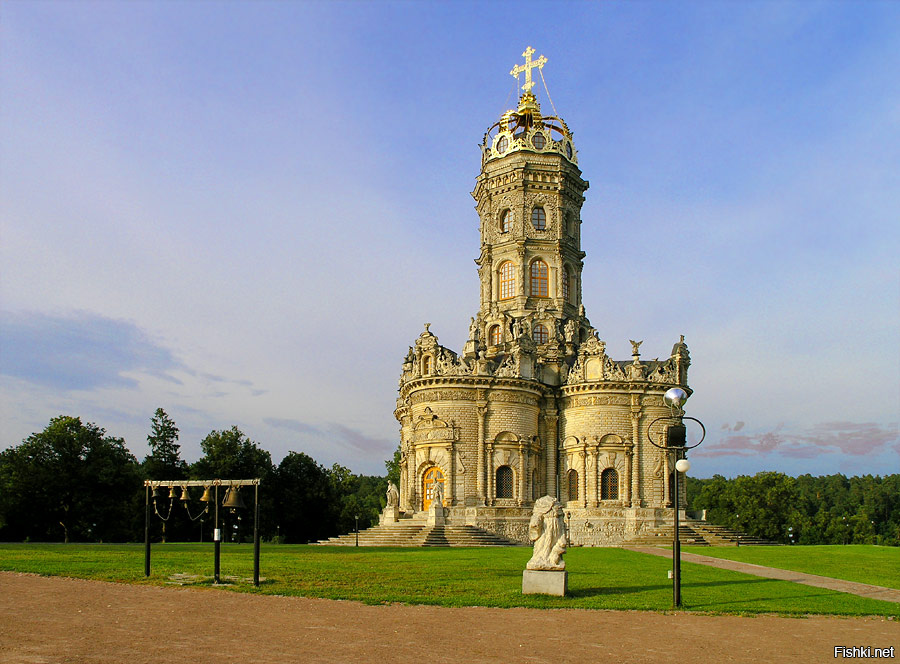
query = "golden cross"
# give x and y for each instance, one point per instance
(527, 67)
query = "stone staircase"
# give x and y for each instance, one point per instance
(415, 532)
(697, 533)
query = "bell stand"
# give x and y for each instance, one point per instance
(217, 534)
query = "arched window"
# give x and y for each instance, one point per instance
(565, 279)
(426, 365)
(540, 279)
(609, 484)
(572, 477)
(494, 335)
(507, 280)
(539, 218)
(505, 218)
(504, 482)
(540, 334)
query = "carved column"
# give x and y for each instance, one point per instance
(450, 483)
(481, 409)
(595, 469)
(582, 461)
(636, 462)
(550, 428)
(523, 468)
(667, 490)
(404, 482)
(489, 467)
(629, 453)
(413, 490)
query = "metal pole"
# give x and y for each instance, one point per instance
(676, 545)
(357, 529)
(217, 538)
(146, 530)
(256, 537)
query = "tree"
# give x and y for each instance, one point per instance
(228, 454)
(305, 503)
(392, 466)
(71, 482)
(164, 461)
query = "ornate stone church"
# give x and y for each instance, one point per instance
(533, 405)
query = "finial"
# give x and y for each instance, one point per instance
(527, 67)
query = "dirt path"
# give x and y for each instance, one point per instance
(861, 589)
(49, 620)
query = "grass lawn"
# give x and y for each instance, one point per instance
(878, 565)
(598, 578)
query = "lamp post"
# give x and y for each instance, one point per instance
(356, 519)
(676, 444)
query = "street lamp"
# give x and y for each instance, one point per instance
(676, 444)
(356, 519)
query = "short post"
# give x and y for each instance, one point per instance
(356, 518)
(217, 540)
(676, 546)
(146, 530)
(256, 537)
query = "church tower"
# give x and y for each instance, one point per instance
(533, 405)
(528, 197)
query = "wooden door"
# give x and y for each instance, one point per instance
(431, 476)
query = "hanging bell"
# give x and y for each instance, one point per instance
(185, 496)
(233, 500)
(172, 492)
(207, 495)
(156, 493)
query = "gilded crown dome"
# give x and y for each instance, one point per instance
(526, 129)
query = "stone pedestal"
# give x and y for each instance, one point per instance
(545, 582)
(435, 515)
(390, 514)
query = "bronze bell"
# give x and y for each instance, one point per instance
(207, 495)
(172, 492)
(156, 493)
(185, 496)
(233, 500)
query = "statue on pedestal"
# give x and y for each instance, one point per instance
(548, 532)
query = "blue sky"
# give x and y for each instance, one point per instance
(244, 212)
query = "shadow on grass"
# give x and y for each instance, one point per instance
(627, 590)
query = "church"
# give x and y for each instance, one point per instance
(532, 405)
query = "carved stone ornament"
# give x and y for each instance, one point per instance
(547, 530)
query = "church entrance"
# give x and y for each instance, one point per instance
(432, 475)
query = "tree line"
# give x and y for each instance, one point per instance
(73, 482)
(830, 509)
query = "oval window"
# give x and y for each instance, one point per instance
(539, 141)
(502, 144)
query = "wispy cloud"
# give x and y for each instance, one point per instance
(291, 425)
(82, 351)
(853, 438)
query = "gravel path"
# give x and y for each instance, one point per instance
(45, 620)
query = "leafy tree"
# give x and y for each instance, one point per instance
(305, 502)
(392, 466)
(71, 482)
(229, 454)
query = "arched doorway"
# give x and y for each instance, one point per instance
(431, 476)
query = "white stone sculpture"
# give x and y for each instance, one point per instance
(437, 494)
(393, 496)
(548, 532)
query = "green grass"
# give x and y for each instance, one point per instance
(598, 578)
(878, 565)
